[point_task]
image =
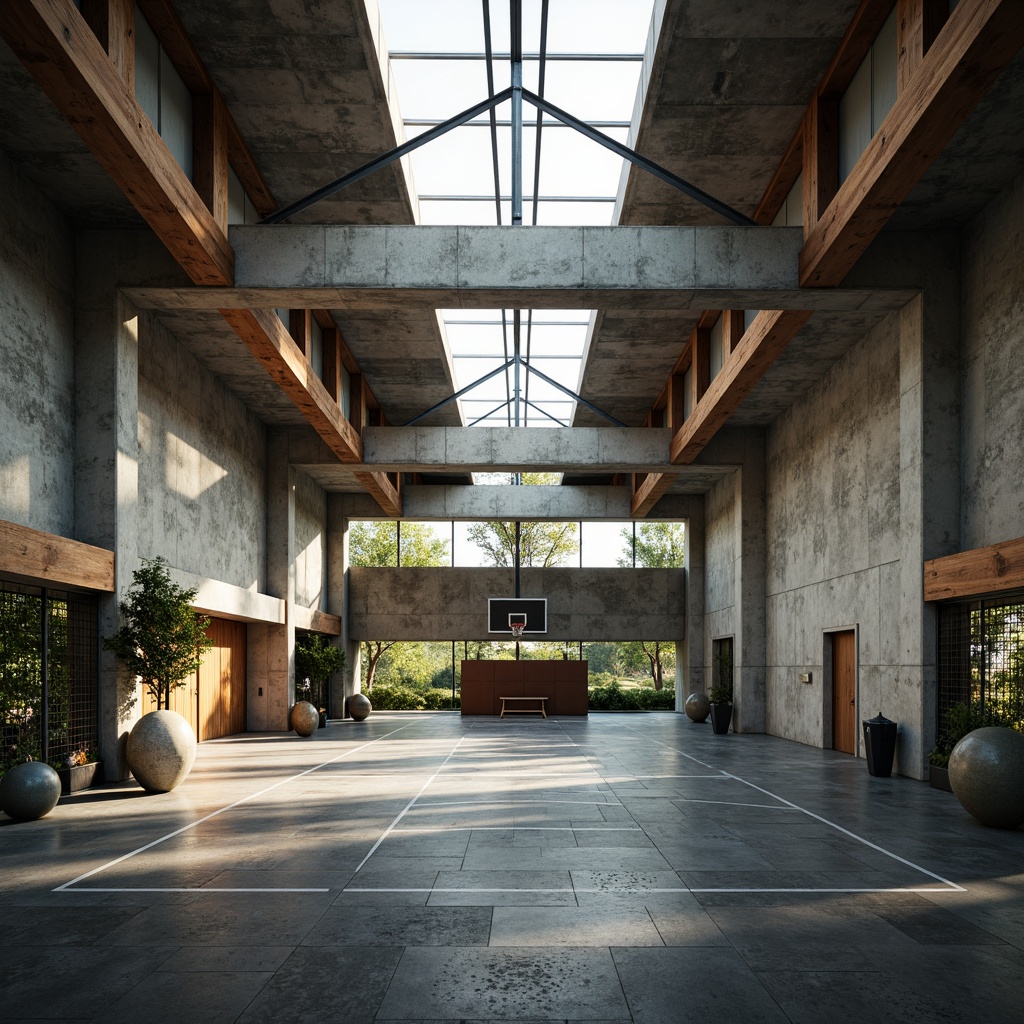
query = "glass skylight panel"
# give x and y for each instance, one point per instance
(437, 62)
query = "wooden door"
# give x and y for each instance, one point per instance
(221, 681)
(844, 691)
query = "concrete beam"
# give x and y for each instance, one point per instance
(500, 450)
(373, 267)
(529, 504)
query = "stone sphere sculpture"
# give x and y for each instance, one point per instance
(359, 706)
(697, 707)
(29, 791)
(304, 718)
(986, 773)
(161, 750)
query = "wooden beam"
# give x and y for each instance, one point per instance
(732, 331)
(971, 50)
(332, 361)
(167, 27)
(862, 31)
(700, 375)
(674, 404)
(210, 155)
(263, 332)
(917, 25)
(387, 494)
(767, 336)
(60, 51)
(324, 622)
(299, 326)
(988, 570)
(821, 157)
(113, 23)
(648, 493)
(783, 180)
(51, 559)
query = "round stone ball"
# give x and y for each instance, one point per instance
(697, 707)
(986, 772)
(161, 750)
(359, 706)
(304, 718)
(29, 791)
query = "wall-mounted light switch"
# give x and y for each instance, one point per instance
(806, 677)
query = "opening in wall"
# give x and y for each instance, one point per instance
(721, 663)
(839, 696)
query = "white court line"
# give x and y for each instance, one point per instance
(839, 828)
(495, 801)
(515, 828)
(89, 888)
(213, 814)
(408, 806)
(616, 890)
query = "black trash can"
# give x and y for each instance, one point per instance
(880, 745)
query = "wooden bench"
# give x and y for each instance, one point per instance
(524, 711)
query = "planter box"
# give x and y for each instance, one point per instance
(81, 776)
(938, 778)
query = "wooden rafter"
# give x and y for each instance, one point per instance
(61, 52)
(988, 570)
(45, 556)
(968, 54)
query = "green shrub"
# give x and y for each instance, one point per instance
(388, 697)
(601, 679)
(962, 719)
(614, 698)
(440, 700)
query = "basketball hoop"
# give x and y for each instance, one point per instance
(517, 628)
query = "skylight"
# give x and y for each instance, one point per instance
(592, 68)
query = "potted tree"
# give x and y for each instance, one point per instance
(316, 660)
(161, 641)
(721, 708)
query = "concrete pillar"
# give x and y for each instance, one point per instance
(690, 676)
(750, 669)
(346, 682)
(271, 660)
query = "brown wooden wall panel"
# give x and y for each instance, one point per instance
(564, 683)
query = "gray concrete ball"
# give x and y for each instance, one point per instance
(304, 718)
(986, 772)
(697, 707)
(29, 791)
(359, 706)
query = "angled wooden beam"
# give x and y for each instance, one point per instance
(61, 52)
(113, 23)
(767, 336)
(917, 24)
(45, 556)
(386, 493)
(969, 53)
(733, 327)
(647, 494)
(820, 157)
(210, 154)
(973, 573)
(862, 31)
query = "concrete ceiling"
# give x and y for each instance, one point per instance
(728, 84)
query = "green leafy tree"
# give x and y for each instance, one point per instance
(316, 659)
(162, 639)
(658, 545)
(651, 657)
(376, 544)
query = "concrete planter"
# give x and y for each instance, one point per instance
(938, 778)
(161, 750)
(79, 776)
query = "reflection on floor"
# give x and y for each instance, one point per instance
(421, 867)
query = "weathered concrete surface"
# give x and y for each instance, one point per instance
(202, 467)
(451, 604)
(309, 552)
(37, 447)
(500, 450)
(462, 503)
(993, 373)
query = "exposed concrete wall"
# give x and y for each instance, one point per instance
(310, 549)
(202, 478)
(993, 372)
(37, 360)
(451, 604)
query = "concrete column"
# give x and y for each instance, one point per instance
(690, 677)
(271, 658)
(750, 669)
(346, 682)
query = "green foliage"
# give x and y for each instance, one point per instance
(162, 639)
(600, 679)
(962, 719)
(540, 544)
(316, 659)
(377, 544)
(658, 545)
(614, 697)
(440, 700)
(388, 697)
(721, 693)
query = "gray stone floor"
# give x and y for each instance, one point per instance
(433, 868)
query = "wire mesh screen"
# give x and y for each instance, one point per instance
(56, 657)
(981, 660)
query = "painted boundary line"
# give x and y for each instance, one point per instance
(213, 814)
(953, 887)
(640, 890)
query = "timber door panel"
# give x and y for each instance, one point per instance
(844, 691)
(222, 681)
